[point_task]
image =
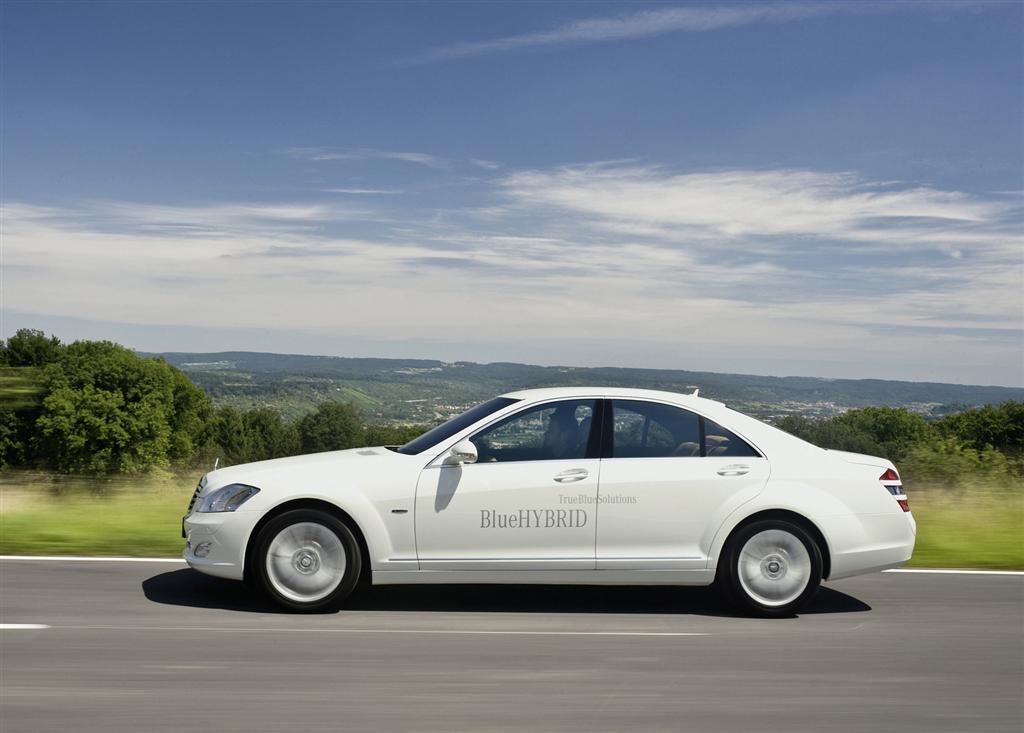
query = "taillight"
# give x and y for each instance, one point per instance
(895, 489)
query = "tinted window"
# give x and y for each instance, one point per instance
(552, 431)
(653, 430)
(722, 442)
(458, 423)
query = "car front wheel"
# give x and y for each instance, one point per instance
(772, 568)
(307, 560)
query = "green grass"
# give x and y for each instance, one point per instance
(139, 520)
(38, 515)
(972, 529)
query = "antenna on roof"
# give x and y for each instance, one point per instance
(695, 388)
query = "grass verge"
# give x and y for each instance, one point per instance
(38, 516)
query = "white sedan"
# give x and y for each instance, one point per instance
(575, 485)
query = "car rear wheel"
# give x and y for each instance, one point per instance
(772, 568)
(307, 560)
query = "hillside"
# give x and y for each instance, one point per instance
(420, 390)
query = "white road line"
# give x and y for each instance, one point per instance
(441, 632)
(952, 571)
(22, 627)
(81, 558)
(181, 561)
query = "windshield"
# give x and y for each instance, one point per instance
(460, 422)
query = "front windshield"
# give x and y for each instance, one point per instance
(458, 423)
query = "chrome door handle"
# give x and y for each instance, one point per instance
(573, 474)
(734, 470)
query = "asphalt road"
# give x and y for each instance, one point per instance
(157, 647)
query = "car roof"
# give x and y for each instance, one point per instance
(549, 393)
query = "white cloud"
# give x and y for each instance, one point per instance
(364, 191)
(759, 207)
(682, 19)
(325, 154)
(612, 263)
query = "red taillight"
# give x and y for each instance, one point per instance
(904, 504)
(889, 475)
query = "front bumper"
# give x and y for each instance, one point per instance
(223, 536)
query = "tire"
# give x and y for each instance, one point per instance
(770, 568)
(306, 560)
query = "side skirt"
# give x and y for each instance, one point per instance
(546, 577)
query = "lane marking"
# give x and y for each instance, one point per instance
(438, 632)
(22, 627)
(953, 571)
(85, 558)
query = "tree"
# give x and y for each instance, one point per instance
(392, 434)
(239, 436)
(105, 409)
(998, 426)
(10, 446)
(893, 429)
(29, 347)
(93, 431)
(830, 434)
(332, 426)
(269, 436)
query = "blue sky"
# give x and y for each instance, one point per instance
(830, 189)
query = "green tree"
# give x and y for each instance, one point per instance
(107, 410)
(830, 434)
(998, 426)
(238, 436)
(392, 434)
(28, 347)
(269, 436)
(10, 445)
(893, 429)
(332, 426)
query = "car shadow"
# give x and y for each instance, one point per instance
(190, 588)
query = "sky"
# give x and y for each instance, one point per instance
(828, 189)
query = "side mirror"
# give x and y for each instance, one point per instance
(462, 452)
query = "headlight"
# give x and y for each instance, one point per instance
(227, 498)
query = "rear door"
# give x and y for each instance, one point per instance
(670, 478)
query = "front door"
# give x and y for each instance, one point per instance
(527, 503)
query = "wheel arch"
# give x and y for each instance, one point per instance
(790, 516)
(309, 503)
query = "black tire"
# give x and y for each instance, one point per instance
(780, 558)
(306, 559)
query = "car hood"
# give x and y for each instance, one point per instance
(254, 473)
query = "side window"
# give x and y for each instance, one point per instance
(652, 430)
(552, 431)
(723, 442)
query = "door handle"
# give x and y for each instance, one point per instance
(734, 470)
(573, 474)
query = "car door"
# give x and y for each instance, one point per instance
(526, 503)
(670, 478)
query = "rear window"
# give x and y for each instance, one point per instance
(722, 442)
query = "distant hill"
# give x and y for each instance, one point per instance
(423, 390)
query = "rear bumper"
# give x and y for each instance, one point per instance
(221, 539)
(870, 543)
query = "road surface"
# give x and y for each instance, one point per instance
(155, 647)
